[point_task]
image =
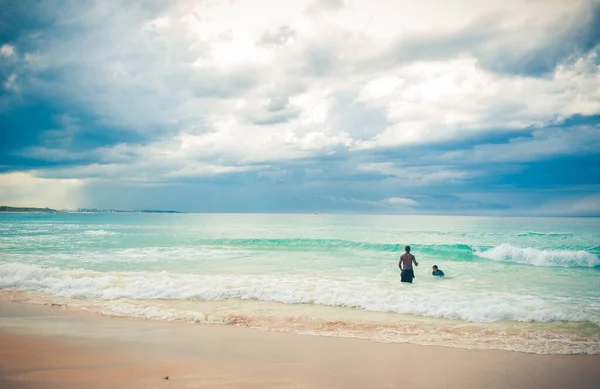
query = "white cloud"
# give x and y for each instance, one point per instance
(204, 170)
(444, 99)
(7, 50)
(416, 175)
(233, 87)
(158, 162)
(542, 144)
(399, 202)
(390, 203)
(11, 83)
(27, 189)
(203, 69)
(380, 87)
(582, 205)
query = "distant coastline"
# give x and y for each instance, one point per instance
(5, 208)
(95, 210)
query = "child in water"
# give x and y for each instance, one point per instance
(437, 272)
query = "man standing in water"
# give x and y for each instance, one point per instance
(406, 271)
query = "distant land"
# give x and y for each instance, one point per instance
(4, 208)
(95, 210)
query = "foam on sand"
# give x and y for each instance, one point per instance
(376, 294)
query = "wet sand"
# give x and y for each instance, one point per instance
(54, 347)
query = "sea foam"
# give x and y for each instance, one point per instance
(537, 257)
(99, 232)
(369, 293)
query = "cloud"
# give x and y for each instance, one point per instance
(528, 45)
(335, 4)
(11, 83)
(398, 202)
(325, 6)
(280, 37)
(200, 69)
(416, 175)
(540, 144)
(26, 189)
(440, 101)
(270, 111)
(7, 50)
(549, 47)
(390, 204)
(306, 95)
(578, 205)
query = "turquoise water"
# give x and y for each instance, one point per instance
(503, 274)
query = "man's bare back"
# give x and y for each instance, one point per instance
(406, 261)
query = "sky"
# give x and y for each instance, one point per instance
(458, 107)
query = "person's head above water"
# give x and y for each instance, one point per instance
(407, 248)
(435, 268)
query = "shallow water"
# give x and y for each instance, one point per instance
(527, 284)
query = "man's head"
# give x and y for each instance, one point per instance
(435, 268)
(407, 248)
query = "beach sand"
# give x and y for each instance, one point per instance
(53, 347)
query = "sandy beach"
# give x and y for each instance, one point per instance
(54, 347)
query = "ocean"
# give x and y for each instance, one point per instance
(524, 284)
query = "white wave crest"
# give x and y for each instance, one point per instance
(357, 292)
(536, 257)
(99, 232)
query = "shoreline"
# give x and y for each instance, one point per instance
(54, 347)
(338, 322)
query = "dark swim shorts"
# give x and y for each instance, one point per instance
(407, 275)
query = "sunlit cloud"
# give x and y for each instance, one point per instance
(390, 99)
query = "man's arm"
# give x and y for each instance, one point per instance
(415, 261)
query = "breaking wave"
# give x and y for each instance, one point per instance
(537, 257)
(368, 293)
